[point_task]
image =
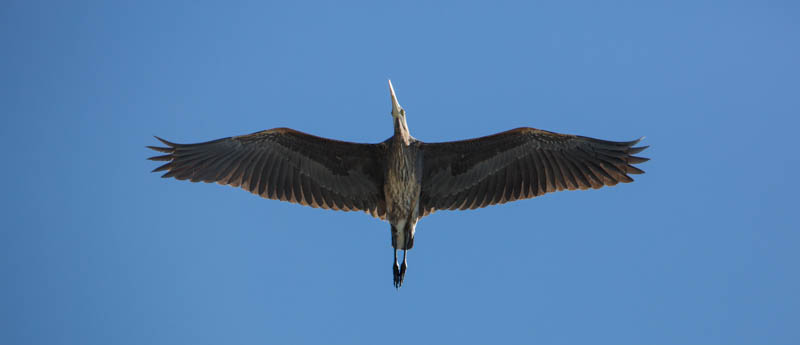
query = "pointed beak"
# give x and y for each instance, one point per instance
(395, 105)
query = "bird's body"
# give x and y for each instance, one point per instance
(402, 179)
(402, 190)
(403, 176)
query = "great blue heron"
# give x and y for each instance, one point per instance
(403, 179)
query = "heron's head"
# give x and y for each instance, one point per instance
(399, 118)
(397, 111)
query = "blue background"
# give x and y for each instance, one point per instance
(703, 249)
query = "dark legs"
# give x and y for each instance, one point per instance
(399, 272)
(405, 244)
(396, 269)
(403, 266)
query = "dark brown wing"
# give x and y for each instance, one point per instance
(288, 165)
(519, 164)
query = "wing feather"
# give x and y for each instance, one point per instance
(520, 164)
(284, 164)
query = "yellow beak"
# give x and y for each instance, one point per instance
(395, 105)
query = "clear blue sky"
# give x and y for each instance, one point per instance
(703, 249)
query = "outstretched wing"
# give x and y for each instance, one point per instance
(519, 164)
(284, 164)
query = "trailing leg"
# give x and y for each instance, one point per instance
(398, 279)
(403, 266)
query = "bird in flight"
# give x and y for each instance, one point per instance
(402, 179)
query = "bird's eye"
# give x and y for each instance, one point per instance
(403, 112)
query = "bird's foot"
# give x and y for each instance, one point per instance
(399, 273)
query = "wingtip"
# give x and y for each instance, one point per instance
(634, 170)
(170, 144)
(168, 157)
(635, 150)
(160, 149)
(163, 167)
(634, 142)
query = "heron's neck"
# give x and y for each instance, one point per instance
(401, 130)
